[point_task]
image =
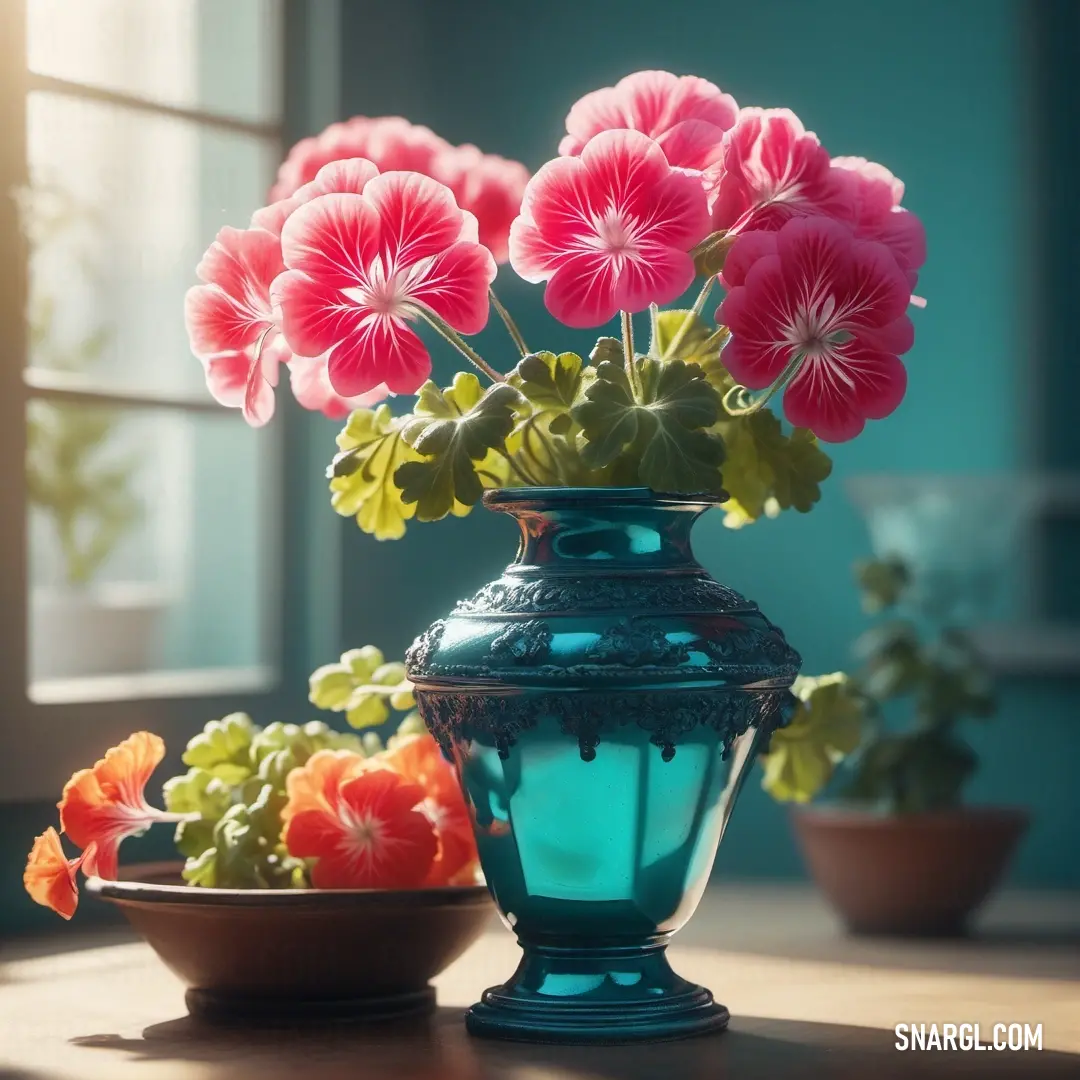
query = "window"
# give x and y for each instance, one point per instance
(138, 553)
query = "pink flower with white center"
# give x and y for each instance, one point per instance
(610, 230)
(772, 170)
(489, 187)
(231, 323)
(654, 103)
(813, 298)
(879, 215)
(391, 142)
(308, 377)
(362, 267)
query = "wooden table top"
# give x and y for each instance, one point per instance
(806, 1002)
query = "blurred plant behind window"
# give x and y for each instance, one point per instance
(75, 474)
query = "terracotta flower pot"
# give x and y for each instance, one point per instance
(907, 874)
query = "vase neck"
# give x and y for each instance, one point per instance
(600, 530)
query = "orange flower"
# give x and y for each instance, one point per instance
(103, 805)
(418, 758)
(315, 786)
(361, 823)
(50, 876)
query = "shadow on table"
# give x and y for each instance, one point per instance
(438, 1048)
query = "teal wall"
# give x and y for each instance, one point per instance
(937, 93)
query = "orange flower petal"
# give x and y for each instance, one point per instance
(125, 769)
(372, 834)
(314, 786)
(103, 805)
(49, 876)
(311, 833)
(419, 759)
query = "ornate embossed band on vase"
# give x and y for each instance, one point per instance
(603, 701)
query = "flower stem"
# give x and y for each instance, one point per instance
(446, 331)
(533, 430)
(737, 401)
(628, 352)
(691, 315)
(654, 328)
(508, 322)
(520, 471)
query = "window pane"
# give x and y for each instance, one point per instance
(147, 541)
(121, 207)
(216, 55)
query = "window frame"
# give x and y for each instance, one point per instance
(50, 739)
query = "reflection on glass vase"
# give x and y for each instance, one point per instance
(603, 701)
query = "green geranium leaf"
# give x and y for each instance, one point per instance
(826, 728)
(551, 383)
(362, 476)
(222, 742)
(362, 662)
(663, 434)
(680, 454)
(363, 686)
(801, 466)
(202, 869)
(607, 350)
(198, 791)
(749, 478)
(455, 432)
(541, 444)
(608, 417)
(768, 470)
(192, 838)
(699, 342)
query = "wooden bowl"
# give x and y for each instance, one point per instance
(919, 874)
(267, 955)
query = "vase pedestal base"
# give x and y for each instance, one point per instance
(595, 995)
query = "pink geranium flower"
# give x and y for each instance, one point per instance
(489, 187)
(309, 380)
(609, 230)
(813, 297)
(772, 169)
(308, 377)
(391, 142)
(362, 267)
(656, 103)
(879, 216)
(346, 174)
(231, 323)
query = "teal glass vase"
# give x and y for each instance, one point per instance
(603, 701)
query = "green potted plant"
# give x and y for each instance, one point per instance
(79, 482)
(898, 852)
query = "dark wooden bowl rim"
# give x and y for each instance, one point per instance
(157, 892)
